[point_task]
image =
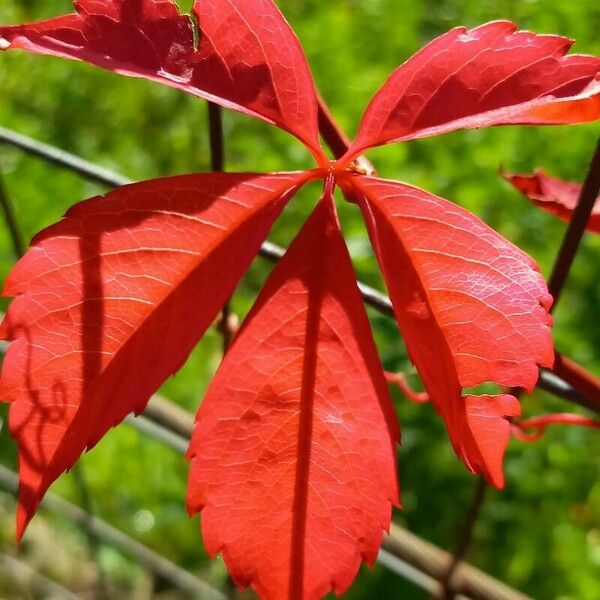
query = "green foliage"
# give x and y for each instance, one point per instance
(542, 533)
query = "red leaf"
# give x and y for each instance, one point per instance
(554, 195)
(248, 58)
(293, 456)
(471, 306)
(490, 75)
(110, 301)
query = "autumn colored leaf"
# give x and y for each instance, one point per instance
(293, 455)
(110, 301)
(490, 75)
(554, 195)
(247, 57)
(472, 309)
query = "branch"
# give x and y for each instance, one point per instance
(582, 380)
(27, 576)
(434, 562)
(464, 539)
(109, 534)
(576, 227)
(11, 220)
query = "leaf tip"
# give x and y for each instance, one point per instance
(488, 418)
(24, 516)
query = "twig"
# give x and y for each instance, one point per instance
(551, 382)
(579, 378)
(56, 156)
(26, 574)
(576, 227)
(11, 220)
(434, 562)
(215, 131)
(337, 141)
(464, 539)
(227, 323)
(158, 564)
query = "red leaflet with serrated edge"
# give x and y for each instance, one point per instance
(110, 301)
(248, 58)
(471, 306)
(293, 456)
(554, 195)
(490, 75)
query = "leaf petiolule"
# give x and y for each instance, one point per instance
(490, 75)
(110, 301)
(293, 455)
(472, 309)
(248, 58)
(554, 195)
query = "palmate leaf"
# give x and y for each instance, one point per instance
(554, 195)
(490, 75)
(110, 301)
(247, 58)
(472, 309)
(293, 455)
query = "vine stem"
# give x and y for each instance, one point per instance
(227, 322)
(465, 537)
(560, 271)
(11, 220)
(576, 227)
(541, 422)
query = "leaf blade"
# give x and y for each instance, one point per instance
(248, 58)
(490, 75)
(109, 302)
(554, 195)
(472, 308)
(293, 460)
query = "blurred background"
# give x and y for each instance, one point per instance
(541, 534)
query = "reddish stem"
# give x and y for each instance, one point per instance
(586, 383)
(539, 425)
(337, 141)
(399, 380)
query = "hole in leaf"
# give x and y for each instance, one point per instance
(483, 389)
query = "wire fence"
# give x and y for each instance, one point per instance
(441, 574)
